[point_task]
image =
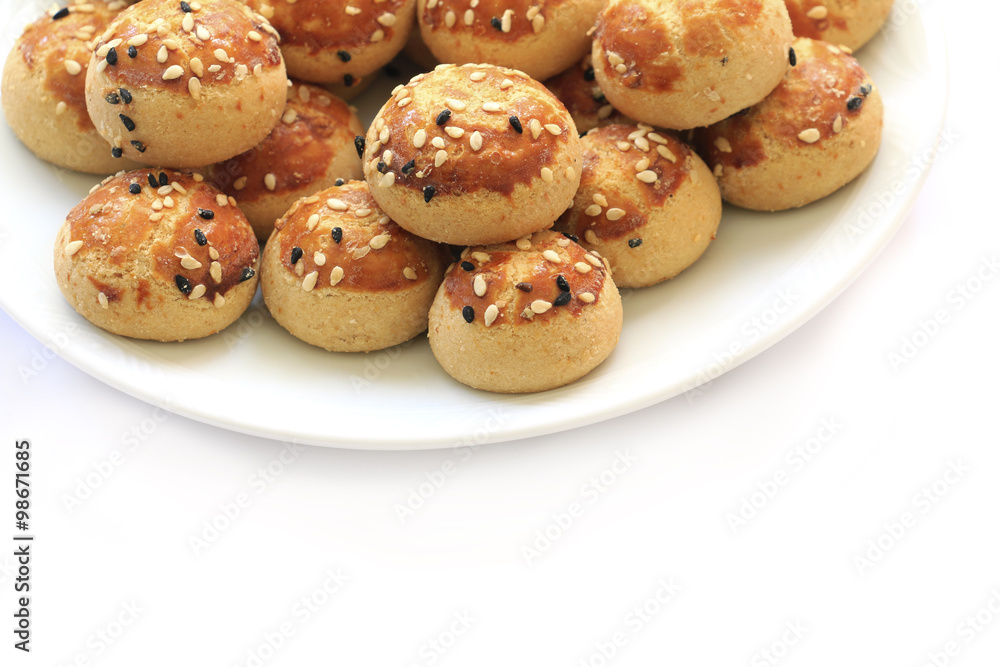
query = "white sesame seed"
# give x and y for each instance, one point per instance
(600, 199)
(377, 36)
(138, 40)
(454, 132)
(455, 105)
(546, 174)
(173, 72)
(351, 11)
(476, 141)
(642, 165)
(240, 183)
(479, 285)
(666, 153)
(215, 270)
(387, 19)
(270, 182)
(590, 236)
(289, 117)
(403, 102)
(438, 142)
(647, 176)
(505, 21)
(102, 299)
(553, 129)
(563, 242)
(312, 221)
(198, 292)
(552, 256)
(623, 146)
(536, 128)
(431, 4)
(178, 187)
(189, 262)
(491, 314)
(213, 253)
(615, 59)
(203, 33)
(194, 87)
(387, 180)
(61, 108)
(361, 252)
(362, 212)
(586, 297)
(540, 306)
(723, 145)
(538, 23)
(480, 257)
(164, 190)
(470, 17)
(621, 68)
(615, 214)
(491, 106)
(505, 84)
(383, 136)
(592, 258)
(336, 275)
(449, 19)
(532, 12)
(255, 36)
(197, 67)
(439, 158)
(214, 68)
(476, 76)
(72, 67)
(409, 273)
(605, 111)
(73, 247)
(221, 55)
(818, 12)
(187, 23)
(309, 282)
(419, 138)
(642, 144)
(809, 136)
(593, 210)
(838, 124)
(653, 136)
(523, 243)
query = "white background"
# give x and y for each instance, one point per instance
(319, 561)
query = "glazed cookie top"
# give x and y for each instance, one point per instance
(295, 153)
(341, 238)
(190, 234)
(461, 129)
(180, 46)
(639, 169)
(647, 42)
(532, 280)
(499, 20)
(61, 43)
(320, 24)
(819, 97)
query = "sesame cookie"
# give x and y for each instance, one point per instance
(186, 85)
(308, 151)
(339, 274)
(687, 63)
(525, 316)
(472, 154)
(540, 38)
(577, 88)
(158, 255)
(43, 87)
(846, 23)
(818, 130)
(342, 41)
(647, 203)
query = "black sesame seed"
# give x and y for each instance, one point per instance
(495, 22)
(572, 237)
(469, 313)
(409, 166)
(132, 51)
(112, 56)
(443, 117)
(116, 152)
(200, 238)
(359, 143)
(562, 283)
(247, 274)
(562, 299)
(854, 103)
(791, 56)
(588, 74)
(126, 96)
(183, 284)
(135, 188)
(61, 14)
(348, 80)
(185, 7)
(468, 266)
(380, 167)
(515, 123)
(524, 287)
(428, 193)
(138, 145)
(152, 181)
(127, 122)
(634, 243)
(344, 56)
(338, 182)
(725, 59)
(163, 179)
(112, 98)
(866, 89)
(206, 214)
(337, 234)
(296, 254)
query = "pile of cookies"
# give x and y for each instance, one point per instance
(499, 206)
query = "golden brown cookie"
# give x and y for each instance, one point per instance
(472, 154)
(525, 316)
(186, 85)
(158, 255)
(647, 203)
(339, 274)
(849, 23)
(818, 130)
(43, 87)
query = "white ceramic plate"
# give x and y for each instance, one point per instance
(763, 277)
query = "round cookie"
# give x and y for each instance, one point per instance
(647, 203)
(342, 41)
(157, 255)
(43, 87)
(540, 38)
(339, 274)
(577, 89)
(525, 316)
(818, 130)
(681, 64)
(186, 85)
(472, 154)
(849, 23)
(309, 150)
